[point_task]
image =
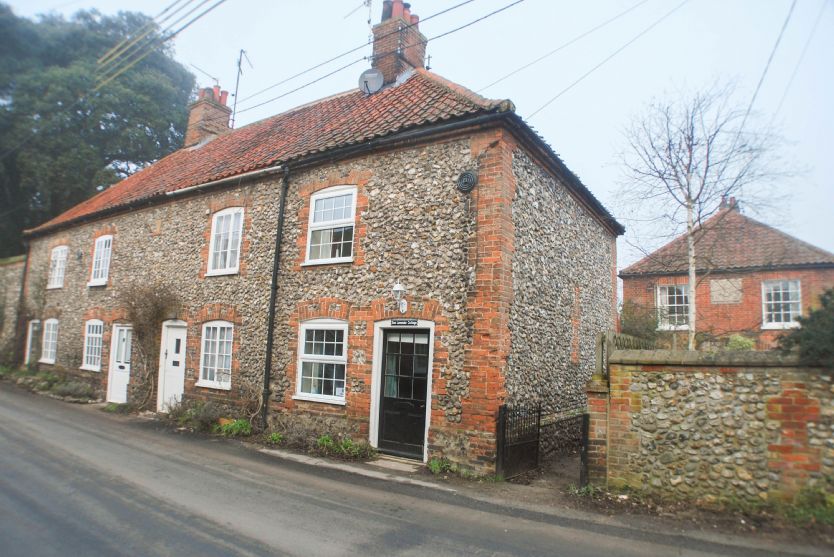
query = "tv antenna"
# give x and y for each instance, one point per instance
(240, 58)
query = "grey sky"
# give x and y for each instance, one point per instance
(704, 41)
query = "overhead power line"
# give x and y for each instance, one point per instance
(351, 51)
(824, 3)
(390, 53)
(151, 48)
(764, 72)
(564, 45)
(609, 57)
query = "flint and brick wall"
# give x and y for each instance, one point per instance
(738, 317)
(744, 426)
(11, 273)
(563, 273)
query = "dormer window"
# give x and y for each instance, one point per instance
(331, 224)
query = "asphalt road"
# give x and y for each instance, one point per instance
(76, 481)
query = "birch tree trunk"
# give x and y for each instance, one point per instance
(690, 290)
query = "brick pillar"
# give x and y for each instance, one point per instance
(792, 457)
(598, 395)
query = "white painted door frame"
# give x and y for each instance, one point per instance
(167, 327)
(112, 394)
(376, 378)
(30, 334)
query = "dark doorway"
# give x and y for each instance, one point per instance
(402, 417)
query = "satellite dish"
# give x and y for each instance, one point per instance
(370, 81)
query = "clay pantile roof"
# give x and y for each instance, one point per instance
(730, 241)
(341, 120)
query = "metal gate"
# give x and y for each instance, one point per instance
(518, 440)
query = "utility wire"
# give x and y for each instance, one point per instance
(564, 45)
(609, 57)
(801, 56)
(142, 52)
(764, 72)
(127, 42)
(160, 42)
(352, 50)
(392, 52)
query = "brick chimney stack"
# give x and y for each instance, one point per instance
(208, 116)
(398, 43)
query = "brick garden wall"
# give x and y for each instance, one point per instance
(748, 426)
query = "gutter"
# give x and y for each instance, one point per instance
(273, 295)
(222, 181)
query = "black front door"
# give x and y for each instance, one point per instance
(405, 366)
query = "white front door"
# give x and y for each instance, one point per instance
(119, 375)
(171, 365)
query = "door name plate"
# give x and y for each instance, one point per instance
(404, 322)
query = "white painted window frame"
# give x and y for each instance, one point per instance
(793, 323)
(89, 362)
(333, 191)
(57, 267)
(102, 253)
(376, 378)
(49, 350)
(215, 384)
(327, 325)
(230, 269)
(662, 315)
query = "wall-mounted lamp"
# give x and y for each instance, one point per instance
(399, 291)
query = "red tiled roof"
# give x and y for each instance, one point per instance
(337, 121)
(731, 241)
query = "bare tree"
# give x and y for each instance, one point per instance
(684, 157)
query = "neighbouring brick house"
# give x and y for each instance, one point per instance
(502, 284)
(752, 280)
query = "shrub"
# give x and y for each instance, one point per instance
(815, 337)
(74, 389)
(812, 505)
(346, 448)
(274, 438)
(439, 466)
(638, 321)
(740, 343)
(195, 414)
(235, 428)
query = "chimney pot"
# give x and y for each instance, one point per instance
(397, 9)
(415, 19)
(407, 12)
(223, 96)
(216, 91)
(386, 10)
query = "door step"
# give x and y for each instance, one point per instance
(397, 463)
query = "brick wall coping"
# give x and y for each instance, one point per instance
(694, 358)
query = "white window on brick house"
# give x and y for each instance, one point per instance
(781, 304)
(673, 307)
(224, 248)
(331, 224)
(216, 355)
(49, 345)
(93, 333)
(322, 361)
(101, 261)
(57, 267)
